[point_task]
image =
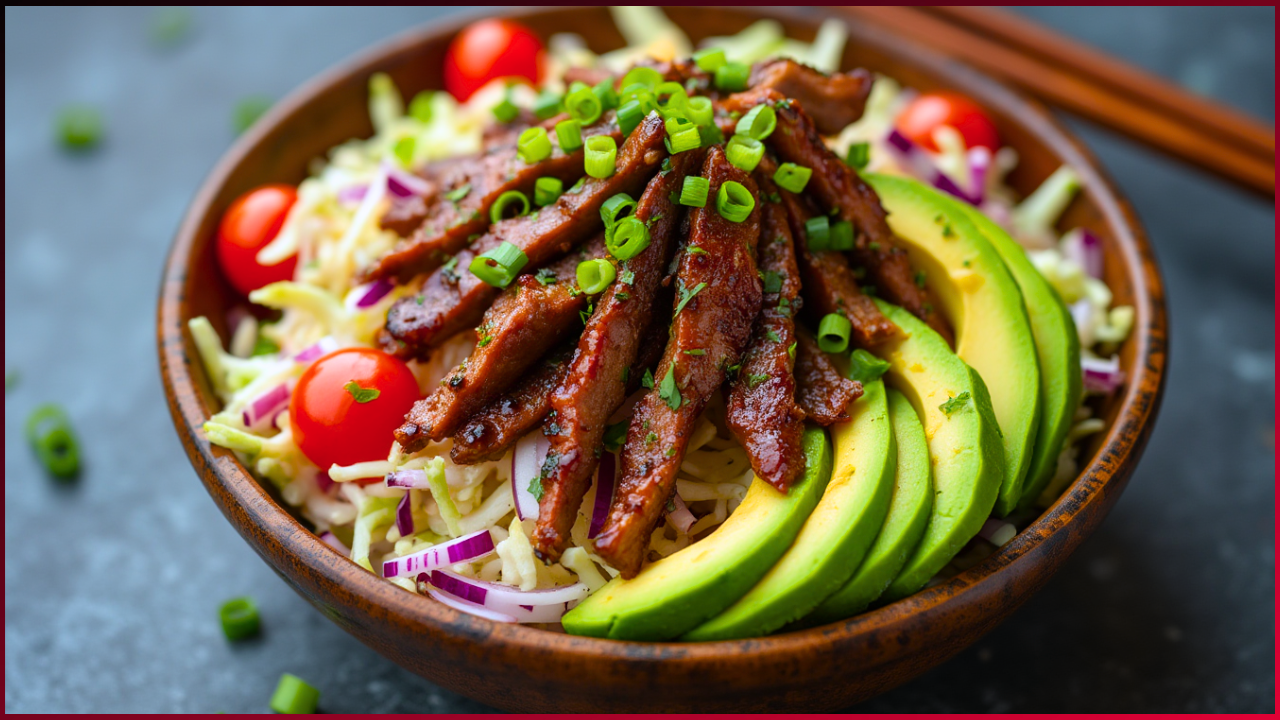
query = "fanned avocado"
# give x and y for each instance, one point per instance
(983, 303)
(964, 443)
(903, 525)
(837, 534)
(676, 593)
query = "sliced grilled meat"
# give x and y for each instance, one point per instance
(821, 390)
(718, 300)
(595, 385)
(833, 101)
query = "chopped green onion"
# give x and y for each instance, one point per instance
(629, 116)
(682, 134)
(248, 110)
(759, 123)
(239, 618)
(954, 403)
(595, 275)
(641, 94)
(293, 696)
(547, 190)
(858, 156)
(420, 106)
(629, 238)
(732, 77)
(403, 150)
(49, 432)
(583, 106)
(505, 202)
(676, 98)
(744, 152)
(616, 208)
(710, 59)
(694, 191)
(818, 232)
(734, 201)
(602, 154)
(833, 333)
(506, 111)
(546, 104)
(646, 76)
(792, 177)
(534, 145)
(865, 367)
(79, 127)
(700, 111)
(569, 134)
(499, 266)
(606, 94)
(841, 236)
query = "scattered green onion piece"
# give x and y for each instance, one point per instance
(682, 135)
(759, 122)
(676, 98)
(734, 201)
(79, 127)
(617, 208)
(534, 145)
(170, 26)
(583, 106)
(865, 367)
(629, 238)
(547, 190)
(546, 104)
(403, 150)
(744, 152)
(817, 230)
(595, 275)
(841, 235)
(732, 77)
(646, 76)
(50, 435)
(293, 696)
(858, 156)
(710, 59)
(792, 177)
(642, 94)
(711, 135)
(629, 116)
(700, 111)
(604, 91)
(239, 618)
(506, 111)
(694, 191)
(248, 110)
(833, 333)
(420, 106)
(602, 154)
(498, 212)
(569, 134)
(499, 266)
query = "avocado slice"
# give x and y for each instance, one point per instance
(678, 592)
(964, 443)
(984, 304)
(1057, 346)
(903, 526)
(836, 536)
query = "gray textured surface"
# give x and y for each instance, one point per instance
(112, 584)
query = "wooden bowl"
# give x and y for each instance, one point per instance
(522, 668)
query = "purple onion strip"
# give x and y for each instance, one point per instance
(468, 547)
(377, 290)
(404, 516)
(605, 478)
(322, 347)
(410, 479)
(266, 406)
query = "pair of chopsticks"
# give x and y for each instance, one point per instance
(1088, 83)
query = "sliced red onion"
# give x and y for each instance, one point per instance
(980, 160)
(264, 408)
(1102, 376)
(411, 479)
(526, 466)
(1085, 249)
(235, 316)
(322, 347)
(606, 476)
(363, 297)
(680, 516)
(323, 481)
(919, 164)
(1082, 314)
(352, 194)
(404, 516)
(403, 184)
(469, 608)
(997, 532)
(332, 541)
(468, 547)
(538, 606)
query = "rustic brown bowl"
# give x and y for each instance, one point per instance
(522, 668)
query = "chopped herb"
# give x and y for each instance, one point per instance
(873, 246)
(954, 403)
(263, 346)
(696, 352)
(551, 429)
(483, 333)
(585, 315)
(420, 299)
(648, 439)
(947, 232)
(774, 198)
(755, 379)
(733, 369)
(772, 281)
(920, 278)
(449, 270)
(686, 296)
(668, 390)
(623, 296)
(360, 394)
(535, 487)
(79, 127)
(670, 452)
(645, 424)
(626, 375)
(627, 276)
(773, 336)
(666, 166)
(865, 367)
(545, 276)
(784, 103)
(695, 250)
(967, 263)
(458, 193)
(615, 435)
(671, 505)
(647, 380)
(859, 155)
(791, 351)
(577, 187)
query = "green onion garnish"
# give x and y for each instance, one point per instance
(758, 123)
(710, 59)
(954, 403)
(694, 191)
(629, 238)
(732, 76)
(546, 104)
(833, 333)
(420, 106)
(595, 275)
(583, 105)
(700, 110)
(616, 208)
(607, 95)
(629, 116)
(817, 230)
(248, 110)
(858, 156)
(547, 190)
(239, 618)
(569, 134)
(734, 201)
(506, 111)
(671, 98)
(403, 150)
(293, 696)
(49, 432)
(792, 177)
(79, 127)
(534, 145)
(841, 235)
(744, 152)
(602, 154)
(865, 367)
(682, 134)
(506, 201)
(646, 76)
(499, 266)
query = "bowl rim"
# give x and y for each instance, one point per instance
(250, 508)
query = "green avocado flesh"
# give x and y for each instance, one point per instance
(903, 525)
(837, 534)
(677, 593)
(1057, 346)
(983, 303)
(964, 443)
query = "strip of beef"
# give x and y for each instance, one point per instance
(761, 409)
(838, 186)
(596, 382)
(833, 101)
(821, 390)
(468, 191)
(452, 298)
(532, 315)
(406, 214)
(718, 298)
(498, 425)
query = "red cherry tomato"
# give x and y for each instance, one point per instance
(330, 423)
(251, 222)
(931, 110)
(491, 49)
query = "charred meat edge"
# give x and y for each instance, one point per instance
(821, 390)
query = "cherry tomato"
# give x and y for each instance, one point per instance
(251, 222)
(930, 110)
(337, 422)
(491, 49)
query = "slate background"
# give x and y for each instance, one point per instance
(112, 584)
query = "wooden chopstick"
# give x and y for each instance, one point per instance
(1094, 86)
